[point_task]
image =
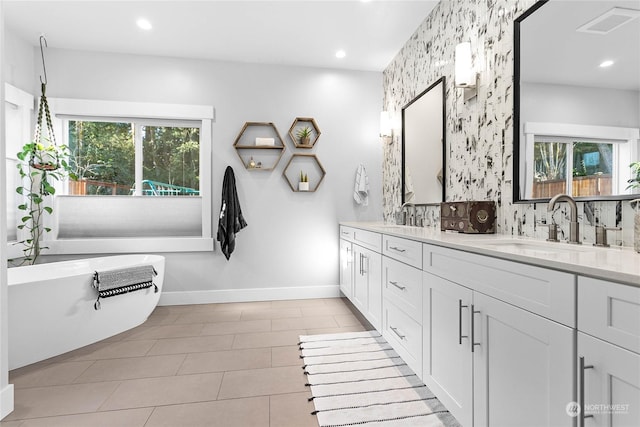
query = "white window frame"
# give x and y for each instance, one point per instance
(80, 109)
(24, 103)
(626, 146)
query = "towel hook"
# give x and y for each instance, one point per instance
(44, 67)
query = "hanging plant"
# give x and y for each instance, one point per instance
(42, 162)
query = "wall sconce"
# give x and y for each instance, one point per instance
(386, 129)
(465, 75)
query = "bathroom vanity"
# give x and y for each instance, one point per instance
(504, 331)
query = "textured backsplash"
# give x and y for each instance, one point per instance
(479, 133)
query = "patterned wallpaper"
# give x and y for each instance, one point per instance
(479, 132)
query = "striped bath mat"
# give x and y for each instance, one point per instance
(357, 379)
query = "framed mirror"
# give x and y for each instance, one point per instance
(423, 147)
(576, 99)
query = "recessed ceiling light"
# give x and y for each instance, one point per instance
(605, 64)
(341, 54)
(144, 24)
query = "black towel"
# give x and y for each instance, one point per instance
(231, 219)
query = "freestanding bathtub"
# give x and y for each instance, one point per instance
(51, 306)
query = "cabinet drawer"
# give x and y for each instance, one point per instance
(368, 239)
(402, 285)
(405, 336)
(346, 233)
(610, 311)
(408, 251)
(548, 293)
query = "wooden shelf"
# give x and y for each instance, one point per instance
(302, 122)
(310, 165)
(267, 156)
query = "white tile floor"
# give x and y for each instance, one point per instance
(199, 365)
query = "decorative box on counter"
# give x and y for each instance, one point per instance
(468, 217)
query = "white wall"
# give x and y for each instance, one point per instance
(292, 238)
(579, 105)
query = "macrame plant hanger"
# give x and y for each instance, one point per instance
(44, 118)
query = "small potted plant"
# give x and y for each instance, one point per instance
(304, 135)
(303, 185)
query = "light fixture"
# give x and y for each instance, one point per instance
(341, 54)
(607, 63)
(144, 24)
(465, 75)
(385, 125)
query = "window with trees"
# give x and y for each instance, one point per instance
(575, 167)
(104, 160)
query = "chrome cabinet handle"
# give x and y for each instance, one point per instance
(582, 368)
(395, 331)
(402, 288)
(473, 328)
(361, 264)
(395, 248)
(346, 233)
(460, 336)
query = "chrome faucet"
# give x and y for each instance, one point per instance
(411, 217)
(574, 227)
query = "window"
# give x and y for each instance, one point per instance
(103, 157)
(142, 178)
(579, 168)
(580, 160)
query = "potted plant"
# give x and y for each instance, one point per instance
(40, 165)
(303, 185)
(304, 135)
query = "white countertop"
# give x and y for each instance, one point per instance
(615, 263)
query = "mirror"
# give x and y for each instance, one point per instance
(576, 116)
(423, 147)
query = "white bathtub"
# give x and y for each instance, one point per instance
(51, 306)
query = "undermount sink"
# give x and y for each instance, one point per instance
(529, 245)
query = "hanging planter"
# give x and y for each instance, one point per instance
(42, 162)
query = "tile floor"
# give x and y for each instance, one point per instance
(207, 365)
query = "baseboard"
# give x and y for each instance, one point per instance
(246, 295)
(6, 401)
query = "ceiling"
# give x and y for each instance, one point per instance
(299, 33)
(552, 51)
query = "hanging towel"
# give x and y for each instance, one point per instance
(119, 281)
(361, 190)
(231, 219)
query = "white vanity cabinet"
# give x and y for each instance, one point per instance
(487, 357)
(522, 366)
(346, 268)
(361, 271)
(608, 353)
(402, 302)
(367, 284)
(447, 359)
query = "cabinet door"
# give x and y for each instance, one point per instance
(611, 384)
(367, 289)
(447, 358)
(523, 367)
(346, 268)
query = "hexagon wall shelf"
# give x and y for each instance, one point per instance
(300, 123)
(309, 165)
(259, 146)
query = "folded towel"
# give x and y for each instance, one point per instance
(122, 280)
(361, 190)
(265, 141)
